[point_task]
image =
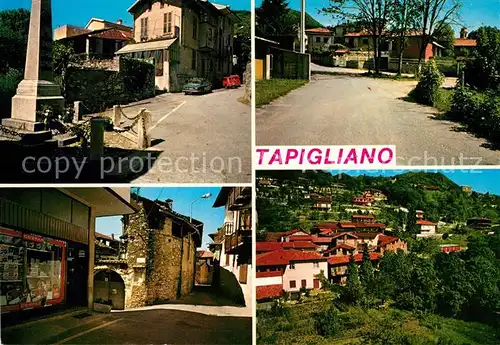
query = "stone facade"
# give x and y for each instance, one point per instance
(159, 265)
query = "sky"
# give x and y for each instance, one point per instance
(213, 218)
(480, 180)
(474, 13)
(78, 12)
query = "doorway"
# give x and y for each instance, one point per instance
(109, 286)
(77, 277)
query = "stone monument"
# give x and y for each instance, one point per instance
(38, 87)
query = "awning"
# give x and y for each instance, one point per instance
(146, 46)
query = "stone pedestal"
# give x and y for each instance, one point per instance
(38, 88)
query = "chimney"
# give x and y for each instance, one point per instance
(463, 32)
(113, 236)
(119, 21)
(170, 203)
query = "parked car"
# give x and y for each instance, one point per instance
(197, 85)
(232, 81)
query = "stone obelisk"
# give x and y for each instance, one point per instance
(38, 87)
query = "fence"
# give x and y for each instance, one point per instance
(288, 64)
(449, 67)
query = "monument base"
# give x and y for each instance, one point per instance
(23, 125)
(31, 97)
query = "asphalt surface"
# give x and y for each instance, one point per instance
(347, 110)
(202, 138)
(137, 327)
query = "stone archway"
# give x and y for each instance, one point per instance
(109, 285)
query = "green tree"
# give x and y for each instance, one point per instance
(63, 55)
(483, 71)
(372, 15)
(273, 17)
(353, 291)
(366, 271)
(14, 27)
(445, 36)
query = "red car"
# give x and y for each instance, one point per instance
(232, 81)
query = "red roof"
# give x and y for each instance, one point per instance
(274, 246)
(205, 254)
(366, 235)
(370, 225)
(269, 274)
(342, 245)
(274, 236)
(301, 238)
(465, 42)
(99, 235)
(114, 34)
(283, 257)
(385, 240)
(322, 240)
(269, 291)
(344, 233)
(425, 222)
(344, 259)
(324, 226)
(319, 31)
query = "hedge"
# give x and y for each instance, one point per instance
(99, 90)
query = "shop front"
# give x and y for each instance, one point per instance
(33, 271)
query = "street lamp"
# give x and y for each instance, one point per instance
(204, 196)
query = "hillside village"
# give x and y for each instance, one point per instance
(332, 222)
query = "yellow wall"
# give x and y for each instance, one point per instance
(156, 20)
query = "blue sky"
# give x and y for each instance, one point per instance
(474, 13)
(213, 218)
(78, 12)
(480, 180)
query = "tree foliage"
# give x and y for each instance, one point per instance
(14, 27)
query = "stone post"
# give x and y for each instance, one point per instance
(38, 87)
(76, 112)
(116, 116)
(96, 139)
(144, 139)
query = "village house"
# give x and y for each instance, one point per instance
(426, 228)
(359, 218)
(319, 38)
(289, 271)
(322, 203)
(337, 266)
(449, 248)
(159, 261)
(99, 39)
(190, 38)
(235, 253)
(464, 46)
(204, 267)
(48, 239)
(391, 244)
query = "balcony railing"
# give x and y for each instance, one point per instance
(236, 239)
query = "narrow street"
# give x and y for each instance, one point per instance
(214, 128)
(156, 326)
(348, 110)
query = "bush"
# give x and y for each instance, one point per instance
(427, 88)
(8, 87)
(328, 323)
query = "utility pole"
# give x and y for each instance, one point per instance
(303, 27)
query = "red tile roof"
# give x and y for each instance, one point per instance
(269, 274)
(114, 34)
(342, 245)
(274, 236)
(324, 226)
(283, 257)
(99, 235)
(319, 31)
(344, 233)
(425, 222)
(205, 254)
(385, 240)
(301, 238)
(269, 291)
(366, 235)
(344, 259)
(299, 245)
(465, 42)
(274, 246)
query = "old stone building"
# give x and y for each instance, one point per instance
(158, 257)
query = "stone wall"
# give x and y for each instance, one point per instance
(247, 80)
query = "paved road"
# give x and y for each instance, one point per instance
(336, 110)
(203, 139)
(137, 327)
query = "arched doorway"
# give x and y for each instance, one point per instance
(109, 285)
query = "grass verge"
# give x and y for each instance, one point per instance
(267, 91)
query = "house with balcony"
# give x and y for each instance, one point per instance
(189, 38)
(234, 253)
(50, 236)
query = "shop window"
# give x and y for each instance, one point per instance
(32, 271)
